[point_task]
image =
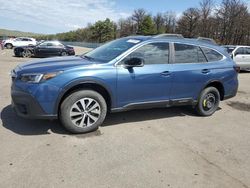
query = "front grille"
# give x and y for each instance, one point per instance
(22, 108)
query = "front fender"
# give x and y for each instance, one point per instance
(77, 82)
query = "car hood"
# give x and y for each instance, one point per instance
(53, 64)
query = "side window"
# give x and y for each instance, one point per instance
(43, 44)
(201, 56)
(188, 54)
(155, 53)
(24, 39)
(247, 51)
(239, 51)
(57, 44)
(212, 55)
(50, 44)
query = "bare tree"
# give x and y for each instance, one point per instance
(159, 23)
(138, 16)
(206, 8)
(232, 16)
(188, 23)
(229, 23)
(170, 22)
(126, 27)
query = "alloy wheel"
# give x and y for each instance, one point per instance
(85, 112)
(64, 54)
(26, 53)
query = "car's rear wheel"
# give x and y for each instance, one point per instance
(64, 54)
(208, 102)
(9, 46)
(83, 111)
(26, 53)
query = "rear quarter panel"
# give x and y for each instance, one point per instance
(223, 72)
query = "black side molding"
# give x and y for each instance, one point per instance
(156, 104)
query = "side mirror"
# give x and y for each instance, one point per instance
(134, 62)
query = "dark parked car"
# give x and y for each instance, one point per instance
(125, 74)
(1, 44)
(229, 48)
(44, 49)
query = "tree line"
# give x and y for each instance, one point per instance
(227, 23)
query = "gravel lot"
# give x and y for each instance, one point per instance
(145, 148)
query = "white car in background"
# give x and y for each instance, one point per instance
(241, 56)
(20, 41)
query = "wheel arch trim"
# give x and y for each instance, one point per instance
(76, 83)
(214, 82)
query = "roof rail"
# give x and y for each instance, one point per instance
(169, 35)
(207, 40)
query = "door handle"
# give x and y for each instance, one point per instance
(165, 73)
(205, 71)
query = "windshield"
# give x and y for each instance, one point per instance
(111, 50)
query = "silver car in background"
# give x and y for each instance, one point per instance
(241, 56)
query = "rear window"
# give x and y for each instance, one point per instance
(188, 54)
(212, 55)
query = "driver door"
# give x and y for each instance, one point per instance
(42, 50)
(149, 84)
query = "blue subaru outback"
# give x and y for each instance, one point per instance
(125, 74)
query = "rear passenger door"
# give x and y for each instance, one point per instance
(190, 71)
(25, 42)
(52, 49)
(57, 49)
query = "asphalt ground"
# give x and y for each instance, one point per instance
(169, 147)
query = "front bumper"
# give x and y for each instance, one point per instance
(17, 53)
(71, 53)
(26, 106)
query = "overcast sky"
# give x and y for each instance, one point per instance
(53, 16)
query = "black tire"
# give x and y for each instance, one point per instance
(26, 53)
(64, 54)
(9, 46)
(68, 107)
(208, 101)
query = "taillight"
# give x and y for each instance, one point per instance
(237, 68)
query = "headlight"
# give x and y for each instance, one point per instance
(31, 78)
(38, 77)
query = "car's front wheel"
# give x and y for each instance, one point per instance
(26, 53)
(64, 54)
(208, 102)
(9, 46)
(83, 111)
